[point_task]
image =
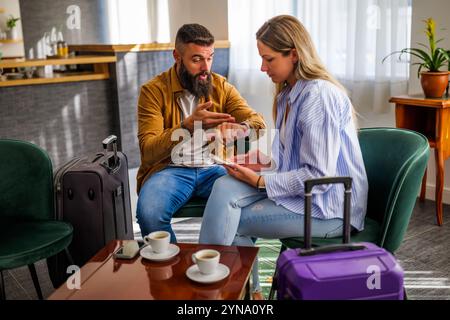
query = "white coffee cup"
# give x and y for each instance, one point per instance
(158, 240)
(207, 260)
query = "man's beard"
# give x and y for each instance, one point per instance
(193, 84)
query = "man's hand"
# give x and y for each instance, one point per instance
(209, 119)
(231, 131)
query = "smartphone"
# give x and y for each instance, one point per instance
(219, 160)
(129, 250)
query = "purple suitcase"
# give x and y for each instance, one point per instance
(337, 272)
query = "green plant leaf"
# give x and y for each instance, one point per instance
(391, 54)
(418, 71)
(421, 44)
(11, 22)
(431, 57)
(420, 54)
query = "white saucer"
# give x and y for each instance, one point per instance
(148, 253)
(194, 274)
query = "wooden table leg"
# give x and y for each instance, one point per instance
(423, 190)
(439, 183)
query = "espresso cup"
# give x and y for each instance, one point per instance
(207, 260)
(158, 240)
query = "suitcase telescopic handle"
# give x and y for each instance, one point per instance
(309, 184)
(112, 139)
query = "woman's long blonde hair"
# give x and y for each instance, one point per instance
(284, 33)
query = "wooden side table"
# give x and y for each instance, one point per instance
(431, 117)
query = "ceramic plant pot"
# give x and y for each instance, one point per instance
(434, 83)
(12, 34)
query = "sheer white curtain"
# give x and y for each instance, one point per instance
(351, 37)
(244, 19)
(138, 21)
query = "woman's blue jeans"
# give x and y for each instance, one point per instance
(166, 191)
(236, 213)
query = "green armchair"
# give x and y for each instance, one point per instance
(395, 162)
(28, 230)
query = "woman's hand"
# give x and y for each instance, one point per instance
(254, 160)
(242, 173)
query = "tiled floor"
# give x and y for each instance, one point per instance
(424, 255)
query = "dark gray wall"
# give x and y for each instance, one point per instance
(67, 120)
(41, 16)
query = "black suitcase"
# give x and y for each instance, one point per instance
(93, 195)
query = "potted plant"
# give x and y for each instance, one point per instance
(11, 25)
(433, 81)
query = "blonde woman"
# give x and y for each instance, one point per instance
(316, 137)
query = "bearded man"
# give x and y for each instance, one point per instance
(187, 94)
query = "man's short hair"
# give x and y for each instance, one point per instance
(193, 33)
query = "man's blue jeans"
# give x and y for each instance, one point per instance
(166, 191)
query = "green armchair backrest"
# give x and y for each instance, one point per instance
(395, 161)
(26, 182)
(28, 229)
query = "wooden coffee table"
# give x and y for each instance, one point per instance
(105, 277)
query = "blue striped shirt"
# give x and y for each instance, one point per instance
(321, 140)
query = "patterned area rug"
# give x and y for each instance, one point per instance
(268, 254)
